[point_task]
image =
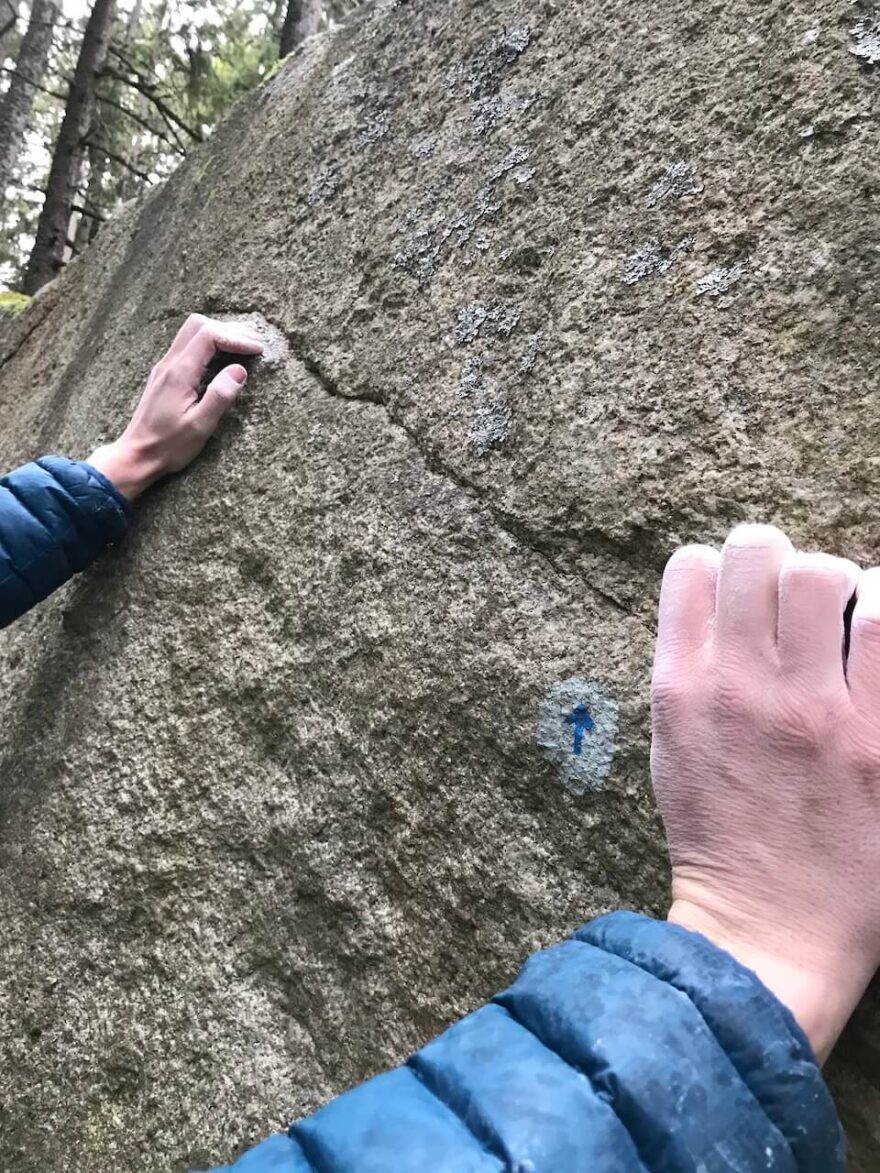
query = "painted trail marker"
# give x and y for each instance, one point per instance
(582, 723)
(577, 732)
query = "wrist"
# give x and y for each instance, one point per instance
(820, 988)
(131, 468)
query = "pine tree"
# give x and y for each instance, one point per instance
(30, 69)
(301, 20)
(49, 248)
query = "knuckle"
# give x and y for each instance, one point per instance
(669, 692)
(802, 730)
(195, 428)
(222, 396)
(863, 759)
(728, 698)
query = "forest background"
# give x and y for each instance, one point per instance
(101, 100)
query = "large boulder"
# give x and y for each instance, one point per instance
(289, 780)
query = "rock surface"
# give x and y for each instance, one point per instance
(273, 807)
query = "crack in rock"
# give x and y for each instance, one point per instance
(286, 345)
(25, 337)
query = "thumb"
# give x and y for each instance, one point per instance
(221, 393)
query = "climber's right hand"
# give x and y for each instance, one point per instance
(766, 765)
(171, 424)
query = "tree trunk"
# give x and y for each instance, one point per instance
(301, 21)
(30, 68)
(8, 22)
(47, 257)
(89, 220)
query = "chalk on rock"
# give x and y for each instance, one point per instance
(277, 350)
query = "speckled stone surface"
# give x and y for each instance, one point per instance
(273, 809)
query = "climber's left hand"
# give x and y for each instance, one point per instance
(171, 424)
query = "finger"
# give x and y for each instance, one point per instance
(188, 330)
(814, 590)
(219, 396)
(210, 338)
(863, 665)
(746, 608)
(687, 602)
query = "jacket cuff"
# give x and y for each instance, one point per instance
(107, 485)
(765, 1044)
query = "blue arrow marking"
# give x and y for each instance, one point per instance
(582, 721)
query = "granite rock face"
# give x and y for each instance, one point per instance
(553, 288)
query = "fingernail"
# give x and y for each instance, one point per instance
(237, 374)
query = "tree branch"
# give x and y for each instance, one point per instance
(140, 69)
(118, 159)
(148, 89)
(55, 24)
(175, 142)
(33, 84)
(83, 211)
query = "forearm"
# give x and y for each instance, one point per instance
(132, 469)
(56, 516)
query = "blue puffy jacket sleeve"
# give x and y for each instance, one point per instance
(634, 1047)
(56, 516)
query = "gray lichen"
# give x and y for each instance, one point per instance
(375, 130)
(719, 280)
(423, 148)
(490, 414)
(676, 181)
(514, 157)
(481, 76)
(651, 259)
(470, 320)
(471, 379)
(866, 35)
(533, 351)
(583, 761)
(427, 238)
(505, 319)
(487, 112)
(324, 186)
(420, 253)
(490, 426)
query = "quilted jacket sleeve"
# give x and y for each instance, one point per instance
(56, 516)
(634, 1047)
